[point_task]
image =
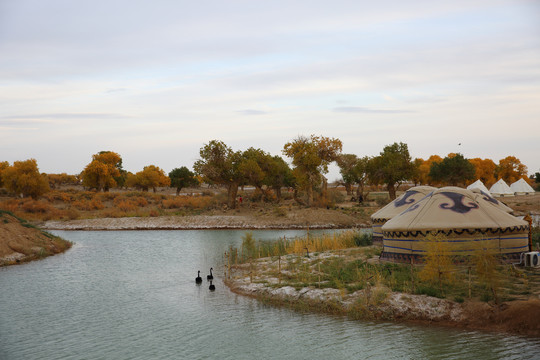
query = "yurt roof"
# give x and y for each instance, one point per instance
(478, 184)
(452, 208)
(521, 186)
(397, 206)
(500, 187)
(482, 196)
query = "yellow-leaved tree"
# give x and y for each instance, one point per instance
(439, 267)
(150, 177)
(23, 178)
(486, 262)
(510, 169)
(103, 172)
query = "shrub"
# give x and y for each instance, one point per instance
(93, 204)
(335, 197)
(33, 206)
(279, 211)
(72, 214)
(428, 290)
(125, 205)
(363, 239)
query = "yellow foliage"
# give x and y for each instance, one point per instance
(438, 266)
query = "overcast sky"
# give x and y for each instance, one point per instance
(156, 80)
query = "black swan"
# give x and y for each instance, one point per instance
(210, 277)
(198, 279)
(211, 287)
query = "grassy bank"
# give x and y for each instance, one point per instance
(347, 262)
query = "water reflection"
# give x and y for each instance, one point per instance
(132, 295)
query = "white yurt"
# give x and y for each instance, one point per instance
(478, 184)
(409, 197)
(500, 188)
(462, 220)
(521, 187)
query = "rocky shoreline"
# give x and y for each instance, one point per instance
(258, 280)
(314, 219)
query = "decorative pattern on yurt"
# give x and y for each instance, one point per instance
(379, 218)
(463, 218)
(482, 196)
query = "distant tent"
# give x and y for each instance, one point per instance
(500, 188)
(478, 184)
(379, 218)
(482, 196)
(521, 187)
(463, 220)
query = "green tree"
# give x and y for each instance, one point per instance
(182, 178)
(219, 164)
(311, 157)
(150, 177)
(279, 175)
(103, 171)
(452, 170)
(23, 178)
(391, 167)
(360, 171)
(254, 167)
(346, 163)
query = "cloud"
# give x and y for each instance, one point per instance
(39, 117)
(252, 112)
(364, 110)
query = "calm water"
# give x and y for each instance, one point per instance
(131, 295)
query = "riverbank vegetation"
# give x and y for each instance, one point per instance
(343, 278)
(347, 262)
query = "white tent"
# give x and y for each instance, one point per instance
(521, 187)
(478, 184)
(500, 188)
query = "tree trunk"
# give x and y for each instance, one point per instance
(232, 190)
(391, 191)
(277, 191)
(348, 188)
(178, 191)
(309, 193)
(296, 198)
(325, 190)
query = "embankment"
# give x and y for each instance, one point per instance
(259, 280)
(313, 218)
(22, 242)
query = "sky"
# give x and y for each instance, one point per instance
(156, 80)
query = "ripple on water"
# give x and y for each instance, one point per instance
(131, 295)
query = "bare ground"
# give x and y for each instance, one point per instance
(21, 242)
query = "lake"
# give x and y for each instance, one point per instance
(132, 295)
